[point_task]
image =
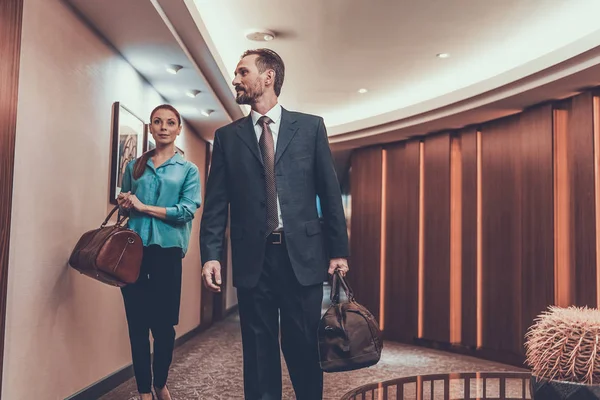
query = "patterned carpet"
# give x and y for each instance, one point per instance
(209, 367)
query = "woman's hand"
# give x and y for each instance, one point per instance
(128, 202)
(136, 204)
(124, 201)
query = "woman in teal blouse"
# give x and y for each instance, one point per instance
(161, 193)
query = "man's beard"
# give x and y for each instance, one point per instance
(244, 98)
(248, 95)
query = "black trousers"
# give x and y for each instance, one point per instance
(152, 305)
(279, 298)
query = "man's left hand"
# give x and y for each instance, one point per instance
(339, 264)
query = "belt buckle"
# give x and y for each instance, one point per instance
(278, 234)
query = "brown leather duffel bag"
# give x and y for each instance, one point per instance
(349, 335)
(109, 254)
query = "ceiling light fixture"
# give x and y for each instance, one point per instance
(260, 35)
(442, 55)
(173, 68)
(362, 91)
(193, 93)
(207, 113)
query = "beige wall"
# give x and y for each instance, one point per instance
(66, 331)
(195, 151)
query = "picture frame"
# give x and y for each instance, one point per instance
(129, 141)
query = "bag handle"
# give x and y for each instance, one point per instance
(339, 280)
(120, 218)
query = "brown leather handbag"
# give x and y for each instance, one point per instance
(109, 254)
(349, 335)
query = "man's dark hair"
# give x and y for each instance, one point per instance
(268, 59)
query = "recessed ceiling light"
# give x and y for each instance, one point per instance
(192, 93)
(260, 35)
(173, 68)
(443, 55)
(362, 91)
(207, 113)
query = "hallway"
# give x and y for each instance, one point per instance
(209, 366)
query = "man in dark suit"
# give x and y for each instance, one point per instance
(266, 171)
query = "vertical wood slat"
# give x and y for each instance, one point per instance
(11, 15)
(455, 240)
(501, 236)
(402, 241)
(365, 240)
(596, 133)
(582, 213)
(537, 213)
(413, 166)
(479, 239)
(436, 296)
(563, 281)
(383, 241)
(468, 143)
(421, 242)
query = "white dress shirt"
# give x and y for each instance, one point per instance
(275, 115)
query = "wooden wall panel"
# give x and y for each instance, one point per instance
(11, 13)
(365, 241)
(468, 139)
(413, 179)
(582, 213)
(436, 295)
(537, 213)
(501, 236)
(563, 281)
(528, 188)
(402, 241)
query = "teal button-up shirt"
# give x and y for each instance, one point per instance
(174, 185)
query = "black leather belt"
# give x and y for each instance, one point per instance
(276, 238)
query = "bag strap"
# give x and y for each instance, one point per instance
(120, 218)
(339, 280)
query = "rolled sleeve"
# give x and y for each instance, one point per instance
(189, 200)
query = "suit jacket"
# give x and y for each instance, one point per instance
(303, 169)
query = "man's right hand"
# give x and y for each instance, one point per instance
(211, 274)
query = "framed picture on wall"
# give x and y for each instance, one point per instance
(129, 136)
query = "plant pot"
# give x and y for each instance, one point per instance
(543, 389)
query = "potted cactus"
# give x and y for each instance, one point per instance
(563, 352)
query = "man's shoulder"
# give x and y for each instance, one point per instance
(232, 126)
(304, 117)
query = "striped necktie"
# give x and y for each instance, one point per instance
(267, 149)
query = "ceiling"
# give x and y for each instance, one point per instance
(334, 48)
(504, 56)
(142, 32)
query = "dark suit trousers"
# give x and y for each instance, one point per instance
(279, 296)
(152, 304)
